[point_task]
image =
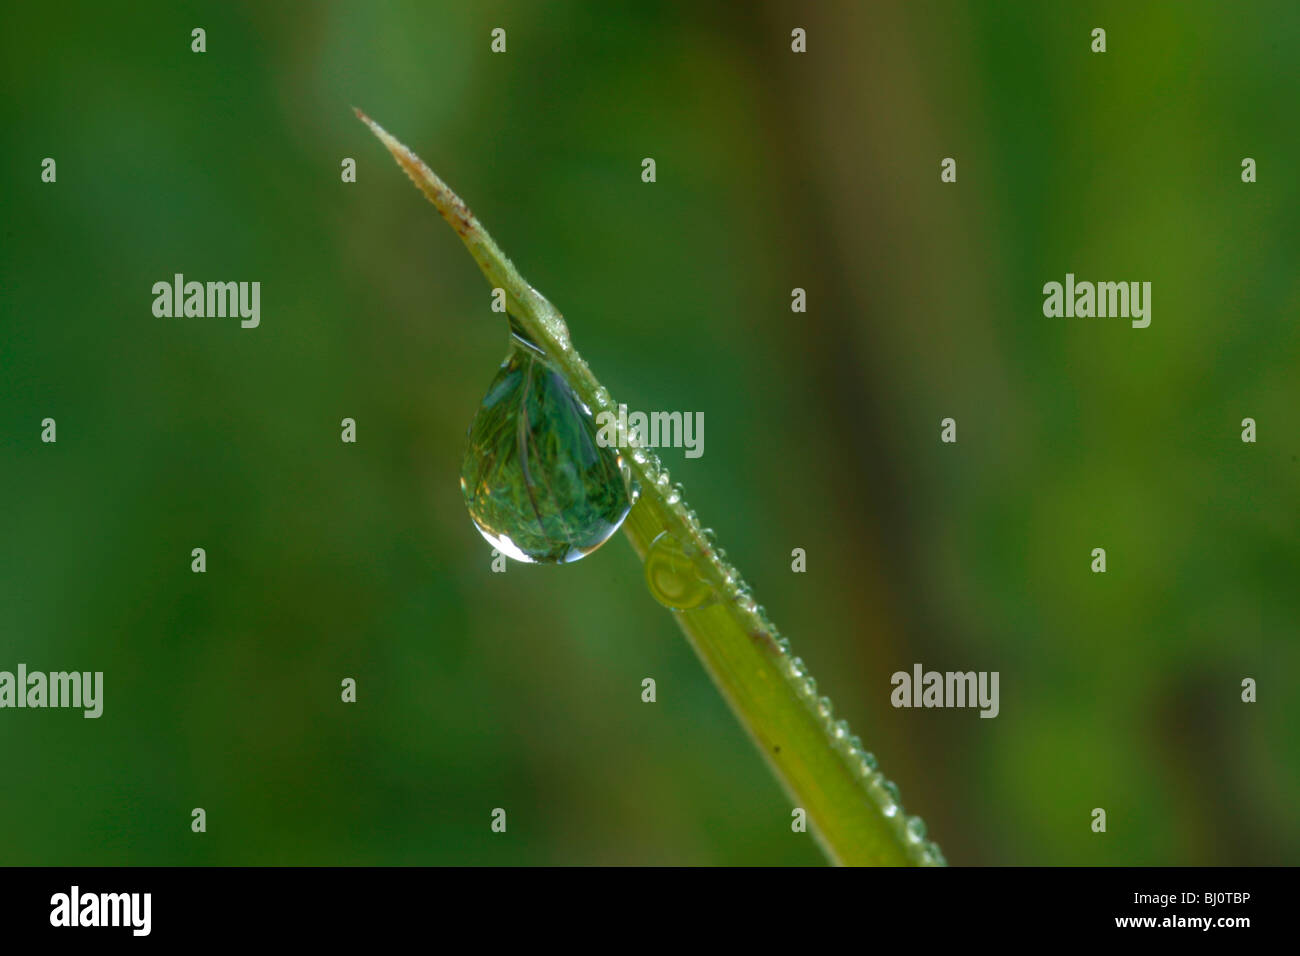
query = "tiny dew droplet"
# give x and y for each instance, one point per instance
(672, 577)
(538, 485)
(885, 795)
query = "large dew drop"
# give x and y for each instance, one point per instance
(537, 484)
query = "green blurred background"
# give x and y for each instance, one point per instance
(522, 690)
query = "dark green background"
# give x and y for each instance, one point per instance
(481, 690)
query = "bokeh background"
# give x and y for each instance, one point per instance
(522, 690)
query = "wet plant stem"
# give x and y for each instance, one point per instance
(852, 810)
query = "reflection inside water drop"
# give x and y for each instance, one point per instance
(538, 485)
(673, 577)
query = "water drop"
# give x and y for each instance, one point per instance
(915, 829)
(885, 795)
(630, 480)
(673, 577)
(536, 482)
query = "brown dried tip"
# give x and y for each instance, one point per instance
(451, 206)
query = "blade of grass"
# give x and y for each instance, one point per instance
(853, 810)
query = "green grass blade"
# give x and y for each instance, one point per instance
(853, 810)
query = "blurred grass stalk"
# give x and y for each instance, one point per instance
(852, 810)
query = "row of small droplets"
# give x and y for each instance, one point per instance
(882, 791)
